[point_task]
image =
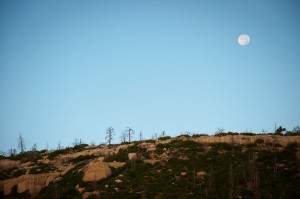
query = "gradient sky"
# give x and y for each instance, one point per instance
(70, 69)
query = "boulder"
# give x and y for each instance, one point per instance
(132, 156)
(96, 171)
(32, 183)
(201, 174)
(183, 173)
(116, 164)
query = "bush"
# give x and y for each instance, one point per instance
(165, 138)
(56, 153)
(80, 147)
(246, 133)
(42, 168)
(259, 141)
(122, 156)
(11, 173)
(150, 141)
(82, 158)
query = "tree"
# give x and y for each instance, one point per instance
(93, 143)
(123, 137)
(279, 130)
(141, 136)
(220, 131)
(109, 134)
(130, 133)
(77, 142)
(296, 129)
(12, 152)
(163, 134)
(59, 146)
(155, 136)
(21, 144)
(34, 147)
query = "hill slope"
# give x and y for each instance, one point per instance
(231, 166)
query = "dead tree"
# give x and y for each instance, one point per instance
(21, 144)
(130, 133)
(109, 134)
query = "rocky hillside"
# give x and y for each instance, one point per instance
(228, 166)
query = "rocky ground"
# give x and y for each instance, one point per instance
(30, 173)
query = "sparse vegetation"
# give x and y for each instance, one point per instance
(184, 169)
(82, 158)
(42, 168)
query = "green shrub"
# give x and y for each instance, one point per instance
(165, 138)
(259, 141)
(199, 135)
(42, 168)
(247, 133)
(150, 141)
(82, 158)
(122, 156)
(80, 147)
(56, 153)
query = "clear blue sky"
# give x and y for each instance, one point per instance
(70, 69)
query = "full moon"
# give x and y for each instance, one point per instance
(244, 40)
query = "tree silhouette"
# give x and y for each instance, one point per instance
(21, 144)
(130, 133)
(279, 130)
(109, 134)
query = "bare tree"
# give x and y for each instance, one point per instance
(21, 144)
(93, 143)
(141, 136)
(163, 134)
(77, 142)
(155, 136)
(12, 152)
(109, 134)
(130, 133)
(123, 137)
(34, 147)
(220, 130)
(59, 146)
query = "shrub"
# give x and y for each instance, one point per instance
(259, 141)
(165, 138)
(42, 168)
(122, 156)
(149, 141)
(82, 158)
(11, 173)
(56, 153)
(80, 147)
(247, 133)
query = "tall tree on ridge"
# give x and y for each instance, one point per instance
(109, 134)
(21, 144)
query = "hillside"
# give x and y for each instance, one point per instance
(228, 166)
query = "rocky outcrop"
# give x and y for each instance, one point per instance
(96, 171)
(32, 183)
(132, 156)
(6, 164)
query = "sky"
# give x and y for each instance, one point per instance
(70, 69)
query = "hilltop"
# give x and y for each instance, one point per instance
(224, 166)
